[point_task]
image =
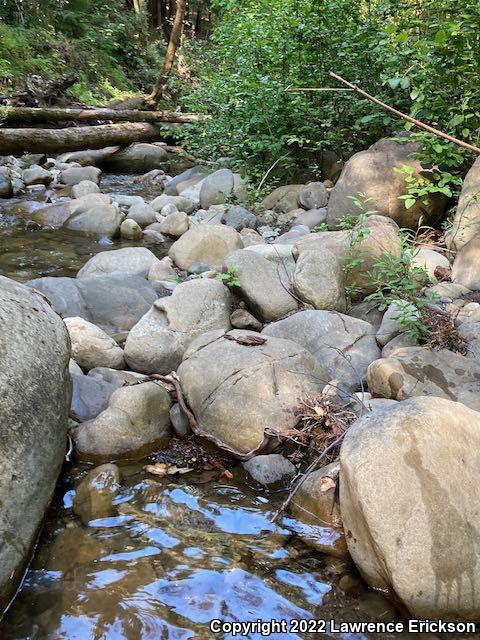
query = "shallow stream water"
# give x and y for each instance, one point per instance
(176, 554)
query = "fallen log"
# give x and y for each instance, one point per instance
(56, 114)
(18, 141)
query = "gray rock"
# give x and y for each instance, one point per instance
(84, 188)
(313, 196)
(143, 214)
(239, 218)
(396, 321)
(156, 344)
(6, 186)
(283, 199)
(185, 180)
(102, 219)
(95, 494)
(36, 175)
(179, 422)
(416, 371)
(208, 244)
(251, 238)
(175, 224)
(280, 256)
(89, 157)
(90, 396)
(139, 157)
(410, 505)
(318, 280)
(237, 391)
(216, 188)
(35, 383)
(75, 175)
(126, 201)
(261, 285)
(312, 218)
(342, 345)
(242, 319)
(270, 469)
(466, 267)
(466, 224)
(134, 424)
(92, 347)
(183, 204)
(133, 260)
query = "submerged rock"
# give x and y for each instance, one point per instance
(95, 494)
(410, 504)
(35, 383)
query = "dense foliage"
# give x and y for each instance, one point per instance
(107, 46)
(421, 56)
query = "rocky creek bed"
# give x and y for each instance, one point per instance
(148, 536)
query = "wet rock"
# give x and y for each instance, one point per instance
(372, 172)
(142, 214)
(73, 548)
(183, 204)
(283, 199)
(6, 187)
(466, 266)
(139, 157)
(35, 383)
(410, 505)
(90, 396)
(92, 347)
(239, 218)
(84, 188)
(175, 224)
(313, 196)
(260, 286)
(133, 260)
(342, 345)
(36, 175)
(135, 423)
(156, 344)
(179, 422)
(75, 175)
(416, 371)
(318, 280)
(131, 230)
(205, 243)
(216, 188)
(237, 391)
(242, 319)
(466, 224)
(95, 494)
(270, 469)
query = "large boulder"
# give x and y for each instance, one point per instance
(381, 236)
(373, 174)
(156, 344)
(205, 243)
(101, 219)
(318, 280)
(35, 383)
(466, 224)
(88, 157)
(139, 157)
(133, 260)
(416, 371)
(342, 345)
(261, 284)
(114, 302)
(92, 347)
(236, 390)
(410, 505)
(134, 424)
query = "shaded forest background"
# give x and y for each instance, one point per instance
(238, 57)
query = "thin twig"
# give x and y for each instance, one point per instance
(404, 116)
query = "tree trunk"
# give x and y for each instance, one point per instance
(47, 114)
(18, 141)
(175, 36)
